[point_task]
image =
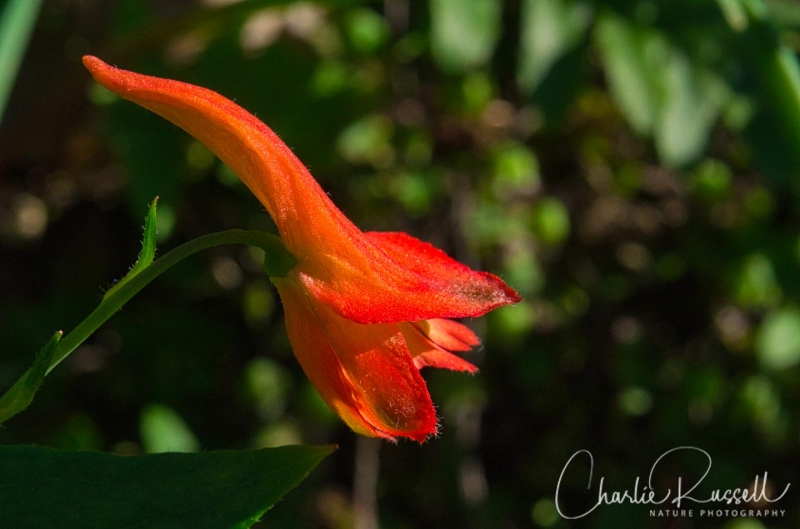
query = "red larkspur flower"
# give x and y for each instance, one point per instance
(364, 311)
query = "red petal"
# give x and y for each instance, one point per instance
(448, 334)
(426, 353)
(407, 280)
(364, 372)
(313, 351)
(444, 360)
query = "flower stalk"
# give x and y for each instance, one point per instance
(112, 303)
(19, 396)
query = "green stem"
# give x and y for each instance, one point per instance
(271, 244)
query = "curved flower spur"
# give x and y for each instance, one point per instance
(364, 311)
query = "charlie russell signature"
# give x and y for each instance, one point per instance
(647, 495)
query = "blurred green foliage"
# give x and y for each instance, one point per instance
(631, 167)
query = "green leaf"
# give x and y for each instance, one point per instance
(693, 99)
(464, 32)
(367, 31)
(678, 102)
(780, 77)
(550, 28)
(712, 180)
(21, 393)
(623, 49)
(516, 171)
(50, 488)
(755, 284)
(148, 252)
(735, 14)
(785, 13)
(17, 20)
(163, 430)
(149, 239)
(551, 221)
(368, 140)
(778, 341)
(775, 131)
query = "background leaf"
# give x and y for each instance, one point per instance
(775, 71)
(464, 32)
(659, 89)
(163, 430)
(214, 490)
(623, 49)
(549, 29)
(692, 100)
(17, 20)
(778, 341)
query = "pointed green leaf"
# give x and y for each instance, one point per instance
(149, 239)
(148, 252)
(21, 393)
(550, 28)
(17, 19)
(212, 490)
(464, 32)
(623, 50)
(693, 99)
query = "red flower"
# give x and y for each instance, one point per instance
(363, 310)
